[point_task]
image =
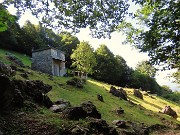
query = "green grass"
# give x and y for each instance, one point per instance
(148, 115)
(24, 58)
(76, 96)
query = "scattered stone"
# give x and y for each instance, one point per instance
(75, 81)
(119, 111)
(90, 109)
(57, 108)
(156, 127)
(145, 93)
(61, 105)
(24, 75)
(77, 130)
(119, 123)
(118, 92)
(1, 133)
(62, 101)
(138, 94)
(82, 111)
(74, 113)
(100, 126)
(152, 97)
(18, 98)
(6, 92)
(7, 70)
(35, 90)
(100, 97)
(14, 59)
(169, 111)
(131, 102)
(46, 101)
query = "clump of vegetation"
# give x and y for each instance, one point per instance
(76, 81)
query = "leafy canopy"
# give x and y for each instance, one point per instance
(156, 31)
(83, 58)
(101, 16)
(5, 18)
(146, 68)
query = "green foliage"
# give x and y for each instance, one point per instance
(167, 93)
(139, 80)
(76, 81)
(146, 68)
(102, 17)
(5, 18)
(157, 31)
(83, 58)
(68, 43)
(111, 69)
(24, 58)
(105, 64)
(176, 76)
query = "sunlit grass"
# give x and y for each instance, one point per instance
(23, 57)
(149, 115)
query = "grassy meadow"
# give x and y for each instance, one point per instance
(145, 111)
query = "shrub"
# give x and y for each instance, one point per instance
(75, 81)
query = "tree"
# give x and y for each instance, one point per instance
(104, 70)
(146, 68)
(6, 19)
(101, 16)
(176, 76)
(83, 58)
(158, 31)
(68, 43)
(122, 71)
(139, 80)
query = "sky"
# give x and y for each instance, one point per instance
(130, 54)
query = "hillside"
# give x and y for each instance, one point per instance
(36, 120)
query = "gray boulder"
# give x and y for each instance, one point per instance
(7, 70)
(119, 111)
(118, 92)
(60, 105)
(119, 123)
(91, 110)
(169, 111)
(100, 127)
(138, 94)
(74, 113)
(15, 60)
(6, 92)
(100, 97)
(1, 133)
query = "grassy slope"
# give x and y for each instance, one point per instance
(148, 116)
(24, 58)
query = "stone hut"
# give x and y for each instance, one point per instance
(50, 61)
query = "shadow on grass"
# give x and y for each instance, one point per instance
(146, 102)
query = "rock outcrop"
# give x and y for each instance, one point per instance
(91, 109)
(99, 126)
(80, 112)
(118, 92)
(6, 70)
(14, 92)
(74, 113)
(169, 111)
(100, 97)
(60, 105)
(7, 91)
(119, 123)
(35, 90)
(138, 94)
